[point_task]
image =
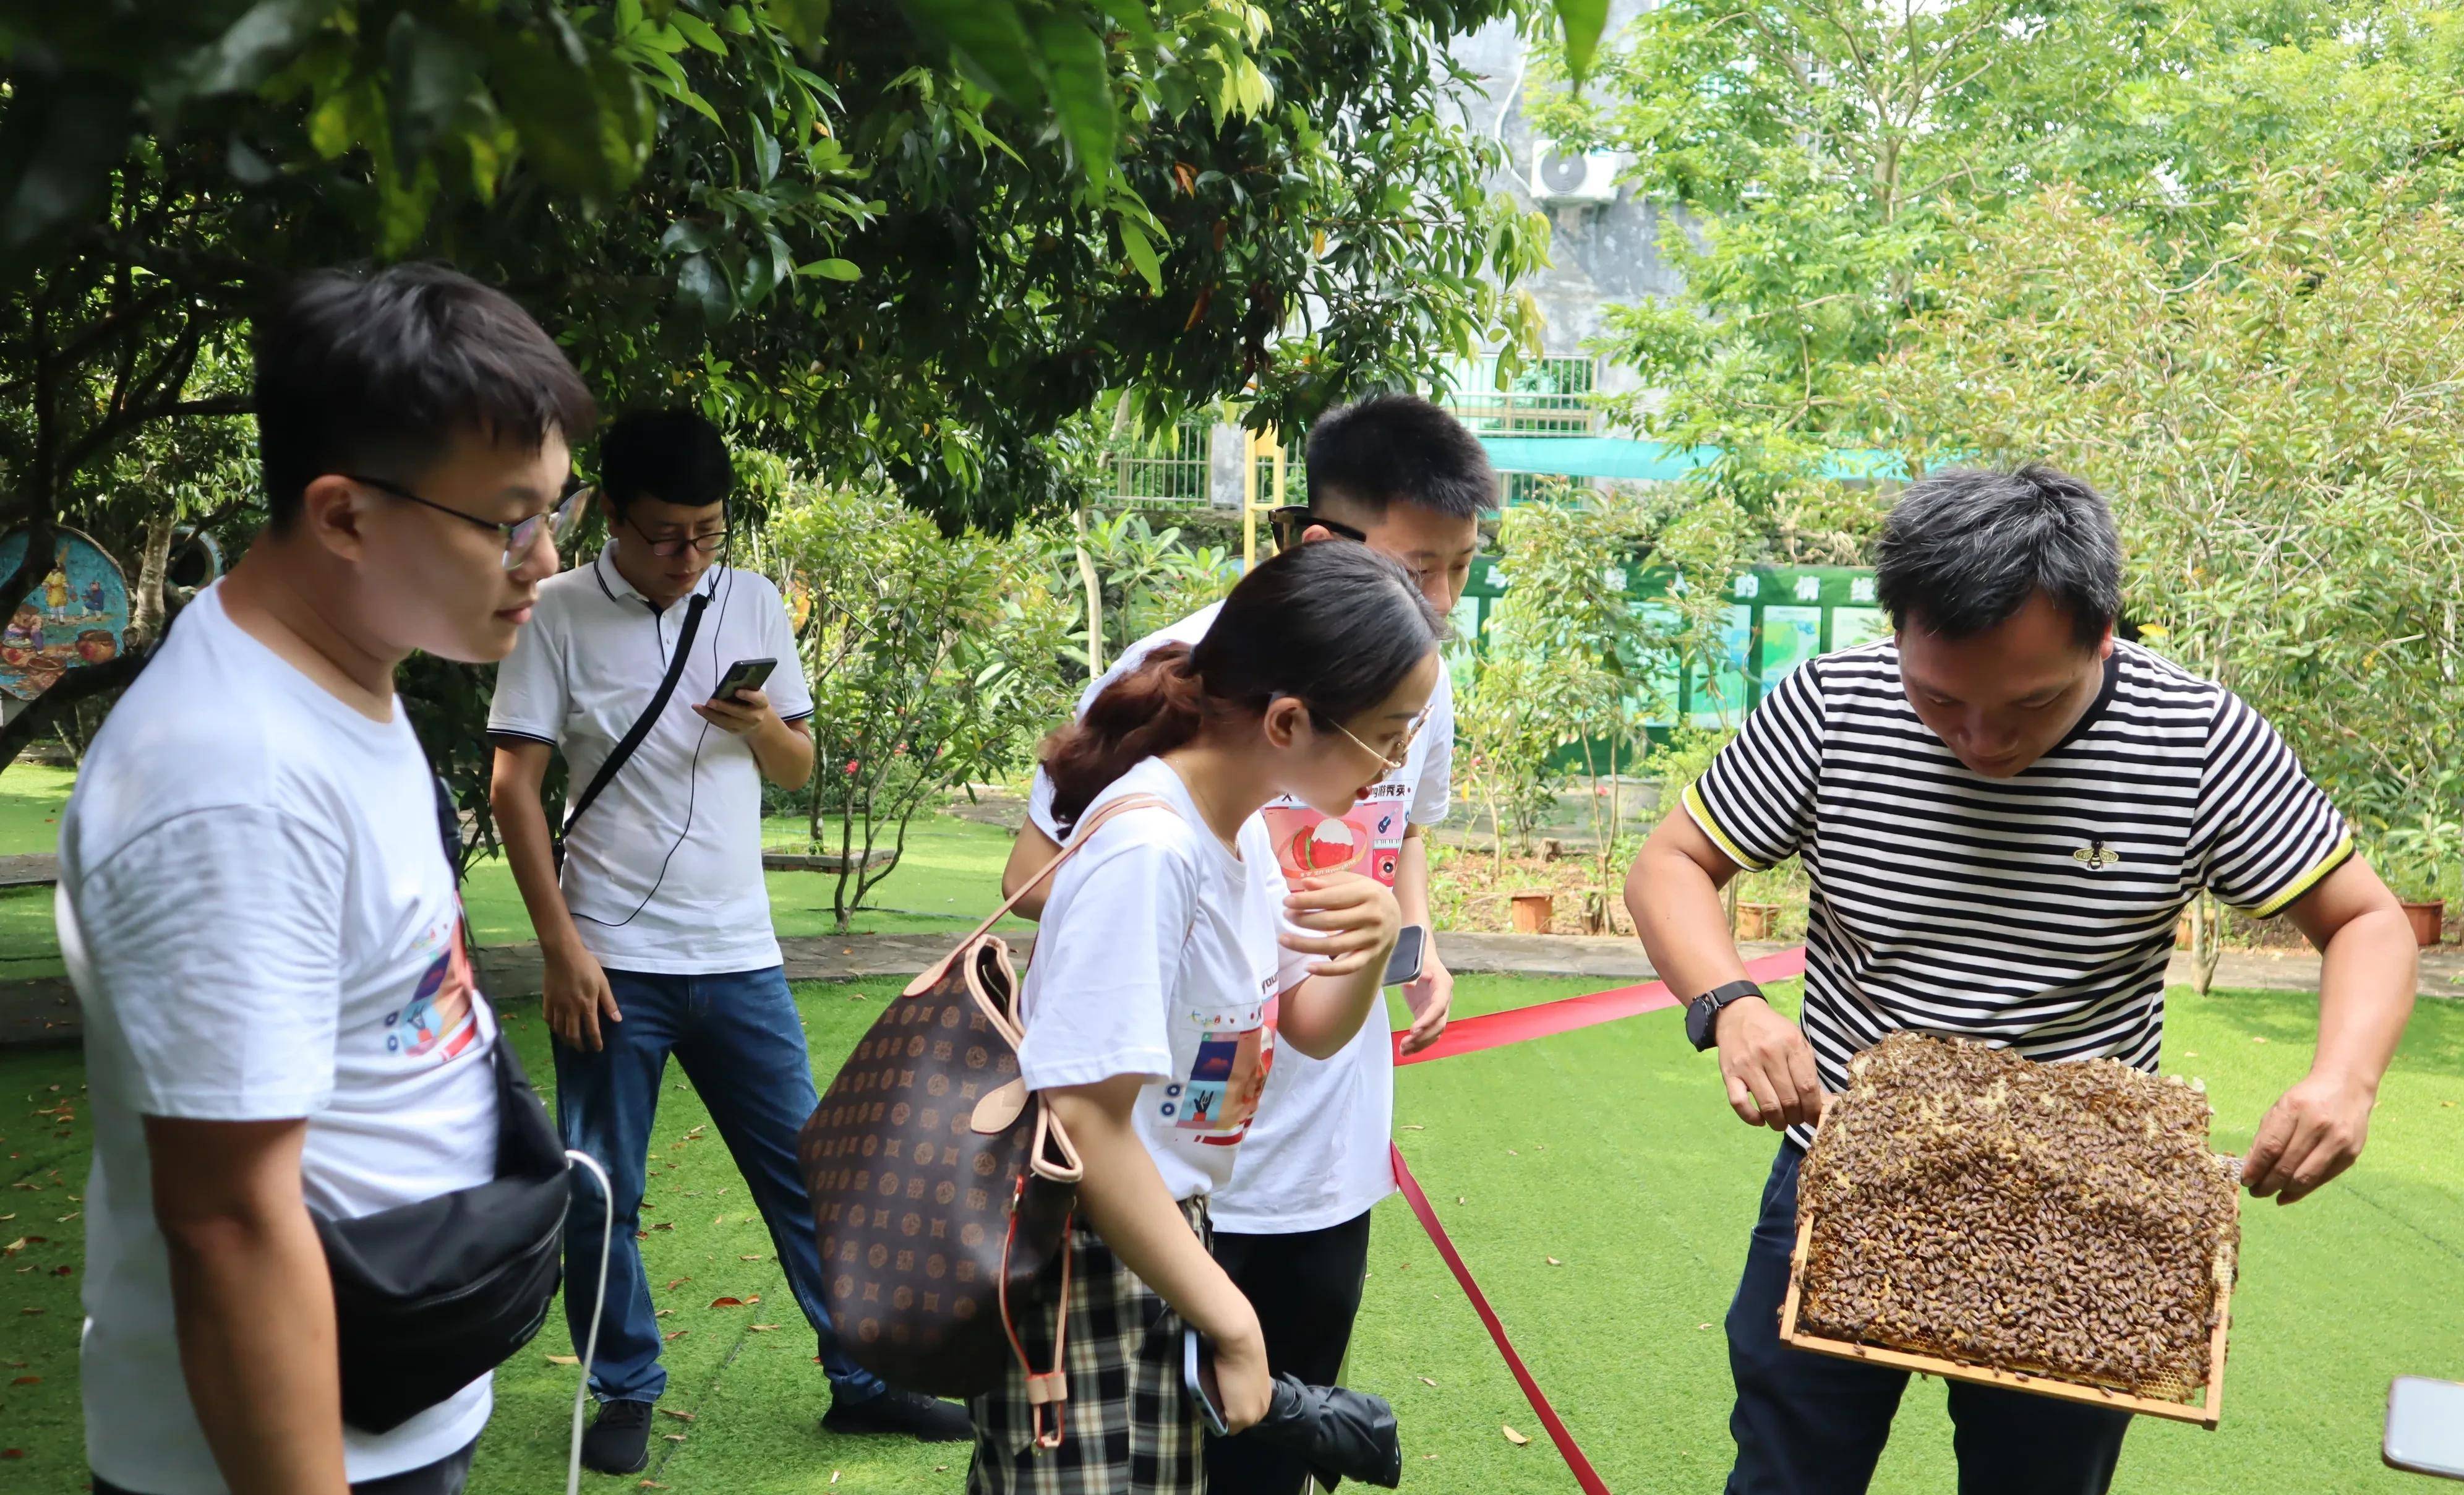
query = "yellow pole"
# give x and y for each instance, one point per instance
(1249, 504)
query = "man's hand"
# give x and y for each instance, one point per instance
(576, 996)
(747, 713)
(2309, 1136)
(1768, 1067)
(1354, 920)
(1432, 1000)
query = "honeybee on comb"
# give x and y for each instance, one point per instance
(2063, 1220)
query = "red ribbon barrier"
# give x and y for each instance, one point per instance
(1516, 1025)
(1541, 1019)
(1584, 1474)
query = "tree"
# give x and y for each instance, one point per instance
(1827, 157)
(816, 222)
(2277, 426)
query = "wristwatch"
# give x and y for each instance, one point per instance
(1702, 1013)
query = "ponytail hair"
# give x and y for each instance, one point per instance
(1335, 625)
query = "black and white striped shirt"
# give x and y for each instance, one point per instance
(2036, 911)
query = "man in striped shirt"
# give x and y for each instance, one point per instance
(2002, 810)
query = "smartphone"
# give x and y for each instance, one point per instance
(1410, 953)
(2424, 1427)
(1198, 1379)
(745, 674)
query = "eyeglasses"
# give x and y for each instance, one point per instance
(1293, 520)
(668, 549)
(520, 535)
(1403, 753)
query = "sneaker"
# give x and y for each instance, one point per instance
(618, 1441)
(914, 1414)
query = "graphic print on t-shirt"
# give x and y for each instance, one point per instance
(440, 1021)
(1369, 837)
(1219, 1099)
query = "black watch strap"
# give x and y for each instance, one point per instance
(1702, 1013)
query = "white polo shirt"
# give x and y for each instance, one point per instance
(664, 875)
(1316, 1154)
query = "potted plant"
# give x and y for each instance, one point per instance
(2418, 860)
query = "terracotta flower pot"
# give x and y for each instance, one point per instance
(1534, 911)
(1755, 921)
(2428, 920)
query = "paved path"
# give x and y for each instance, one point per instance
(45, 1010)
(29, 871)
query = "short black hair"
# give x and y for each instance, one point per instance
(1399, 449)
(667, 456)
(376, 371)
(1965, 548)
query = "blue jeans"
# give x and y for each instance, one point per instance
(1807, 1424)
(743, 1045)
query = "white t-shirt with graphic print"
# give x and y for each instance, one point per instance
(1158, 957)
(258, 917)
(1317, 1157)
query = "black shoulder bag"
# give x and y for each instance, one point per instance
(432, 1295)
(641, 728)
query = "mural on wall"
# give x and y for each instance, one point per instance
(77, 614)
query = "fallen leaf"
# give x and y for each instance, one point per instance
(1553, 1260)
(719, 1220)
(13, 1453)
(1512, 1152)
(676, 1335)
(32, 1312)
(673, 1438)
(2259, 1040)
(1701, 1326)
(2450, 1104)
(565, 1359)
(1425, 1381)
(651, 1484)
(681, 1417)
(761, 1329)
(749, 1258)
(1414, 1127)
(696, 1132)
(727, 1303)
(755, 1298)
(1459, 1198)
(1513, 1437)
(70, 1216)
(679, 1283)
(13, 1247)
(61, 1271)
(13, 1214)
(27, 1380)
(663, 1314)
(664, 1225)
(2191, 1056)
(834, 1476)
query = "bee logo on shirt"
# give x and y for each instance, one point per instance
(2096, 856)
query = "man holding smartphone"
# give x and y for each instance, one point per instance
(1402, 476)
(655, 931)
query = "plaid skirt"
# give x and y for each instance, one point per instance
(1128, 1427)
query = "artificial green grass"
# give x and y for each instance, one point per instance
(1609, 1149)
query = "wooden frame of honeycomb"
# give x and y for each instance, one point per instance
(1909, 1228)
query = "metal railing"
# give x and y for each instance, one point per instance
(1547, 397)
(1166, 470)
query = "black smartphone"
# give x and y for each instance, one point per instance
(1410, 953)
(1198, 1379)
(745, 674)
(2424, 1427)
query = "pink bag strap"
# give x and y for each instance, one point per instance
(1079, 836)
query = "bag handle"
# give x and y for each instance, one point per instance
(1083, 833)
(642, 724)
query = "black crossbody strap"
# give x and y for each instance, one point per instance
(650, 716)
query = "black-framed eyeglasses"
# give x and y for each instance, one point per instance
(558, 522)
(670, 549)
(1294, 519)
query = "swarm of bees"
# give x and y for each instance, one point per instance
(2058, 1220)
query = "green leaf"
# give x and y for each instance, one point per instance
(1142, 254)
(990, 35)
(1583, 21)
(257, 44)
(1082, 91)
(686, 96)
(702, 285)
(1131, 16)
(831, 269)
(698, 31)
(804, 21)
(765, 151)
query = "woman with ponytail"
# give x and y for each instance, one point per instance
(1174, 957)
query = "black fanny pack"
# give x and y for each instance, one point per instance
(431, 1296)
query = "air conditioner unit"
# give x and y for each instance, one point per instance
(1568, 176)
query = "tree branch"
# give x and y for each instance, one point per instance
(76, 685)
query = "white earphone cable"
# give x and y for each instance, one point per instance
(598, 1307)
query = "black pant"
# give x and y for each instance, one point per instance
(445, 1476)
(1809, 1424)
(1307, 1290)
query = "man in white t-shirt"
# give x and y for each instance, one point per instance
(656, 936)
(1401, 476)
(256, 907)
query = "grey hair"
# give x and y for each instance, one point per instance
(1965, 548)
